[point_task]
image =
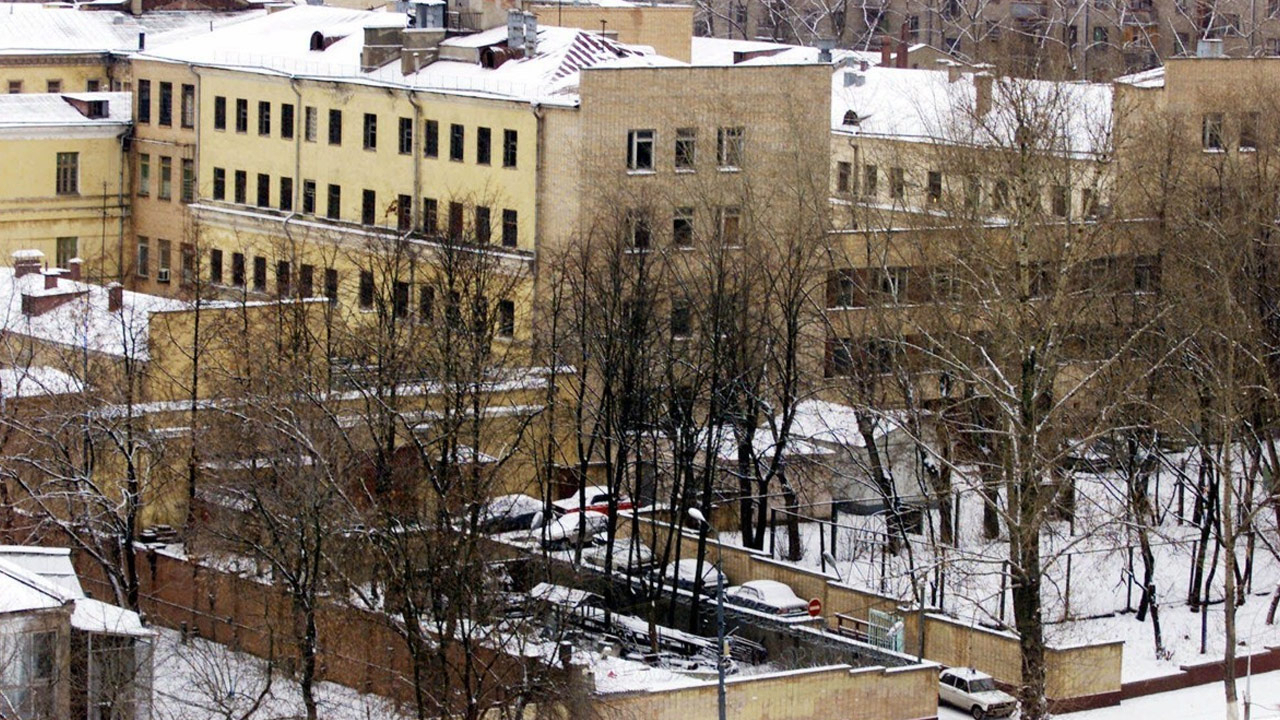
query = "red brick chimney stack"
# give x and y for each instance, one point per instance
(50, 280)
(26, 262)
(115, 297)
(73, 265)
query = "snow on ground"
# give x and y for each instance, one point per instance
(1203, 702)
(1096, 604)
(206, 681)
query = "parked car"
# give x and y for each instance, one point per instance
(565, 531)
(597, 497)
(507, 513)
(768, 596)
(686, 571)
(626, 555)
(975, 692)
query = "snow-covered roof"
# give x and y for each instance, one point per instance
(560, 595)
(1153, 78)
(33, 28)
(36, 380)
(765, 445)
(928, 106)
(828, 422)
(39, 578)
(83, 319)
(281, 43)
(722, 51)
(29, 110)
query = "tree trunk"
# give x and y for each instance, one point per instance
(888, 492)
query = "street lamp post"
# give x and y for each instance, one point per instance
(721, 658)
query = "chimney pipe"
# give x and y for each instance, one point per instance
(982, 93)
(902, 54)
(530, 34)
(26, 262)
(115, 297)
(73, 265)
(142, 41)
(825, 45)
(50, 280)
(886, 51)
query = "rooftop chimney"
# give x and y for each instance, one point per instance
(73, 265)
(530, 34)
(115, 297)
(515, 29)
(824, 49)
(50, 280)
(1209, 48)
(26, 262)
(886, 51)
(142, 41)
(982, 93)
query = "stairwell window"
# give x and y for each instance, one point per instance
(264, 190)
(640, 150)
(484, 227)
(188, 109)
(242, 115)
(220, 113)
(431, 139)
(286, 121)
(370, 131)
(484, 146)
(67, 248)
(264, 119)
(311, 123)
(369, 207)
(164, 264)
(406, 136)
(457, 139)
(237, 269)
(309, 197)
(144, 174)
(241, 187)
(219, 184)
(335, 127)
(506, 318)
(259, 274)
(844, 173)
(286, 194)
(215, 266)
(331, 285)
(366, 290)
(166, 178)
(897, 183)
(68, 173)
(730, 147)
(144, 100)
(142, 267)
(510, 228)
(166, 104)
(510, 143)
(870, 178)
(188, 180)
(333, 210)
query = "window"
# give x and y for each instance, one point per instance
(406, 136)
(286, 194)
(242, 115)
(237, 269)
(366, 289)
(331, 285)
(264, 190)
(1249, 123)
(333, 208)
(510, 143)
(844, 174)
(166, 104)
(335, 127)
(843, 289)
(15, 87)
(1089, 202)
(510, 228)
(399, 299)
(264, 118)
(68, 177)
(686, 148)
(1211, 131)
(730, 231)
(934, 189)
(215, 266)
(638, 230)
(306, 280)
(1099, 35)
(869, 178)
(188, 252)
(484, 228)
(456, 140)
(370, 131)
(729, 141)
(1000, 194)
(681, 319)
(143, 267)
(144, 100)
(404, 213)
(455, 219)
(241, 187)
(282, 277)
(431, 139)
(506, 318)
(163, 264)
(66, 250)
(309, 197)
(188, 108)
(484, 140)
(1061, 200)
(430, 210)
(311, 121)
(188, 180)
(897, 183)
(682, 227)
(144, 174)
(53, 86)
(426, 303)
(890, 282)
(166, 179)
(259, 274)
(640, 149)
(219, 113)
(286, 121)
(368, 207)
(1146, 273)
(219, 184)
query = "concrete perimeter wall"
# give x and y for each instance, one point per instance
(1078, 677)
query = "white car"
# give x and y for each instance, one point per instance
(626, 555)
(685, 573)
(565, 531)
(975, 692)
(769, 596)
(507, 513)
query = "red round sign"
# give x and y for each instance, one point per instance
(815, 607)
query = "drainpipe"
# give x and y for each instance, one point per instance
(539, 116)
(415, 204)
(125, 138)
(299, 116)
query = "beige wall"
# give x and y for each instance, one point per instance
(668, 29)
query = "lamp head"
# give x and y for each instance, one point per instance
(697, 516)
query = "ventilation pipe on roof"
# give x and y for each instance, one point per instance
(115, 297)
(142, 41)
(26, 262)
(886, 51)
(982, 93)
(515, 29)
